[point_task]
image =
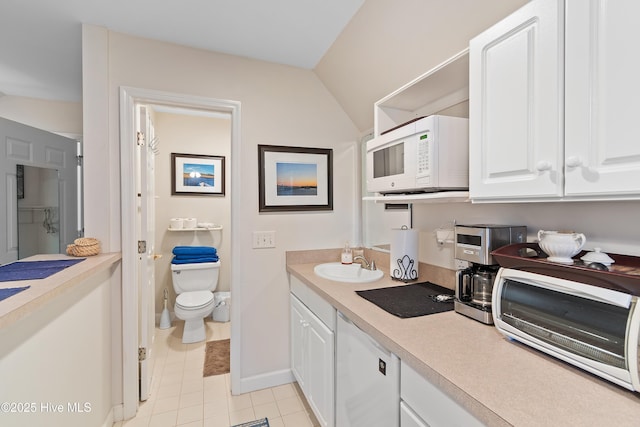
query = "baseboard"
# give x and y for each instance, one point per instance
(262, 381)
(112, 416)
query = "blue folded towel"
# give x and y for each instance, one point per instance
(194, 260)
(195, 250)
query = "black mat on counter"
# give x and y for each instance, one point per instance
(410, 300)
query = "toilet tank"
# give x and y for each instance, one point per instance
(195, 277)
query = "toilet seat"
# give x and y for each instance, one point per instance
(194, 300)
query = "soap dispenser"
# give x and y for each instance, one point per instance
(347, 255)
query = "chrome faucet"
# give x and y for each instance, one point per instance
(369, 266)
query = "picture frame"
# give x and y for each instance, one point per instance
(295, 178)
(197, 175)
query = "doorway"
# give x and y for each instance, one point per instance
(129, 98)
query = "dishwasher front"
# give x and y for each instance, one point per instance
(367, 379)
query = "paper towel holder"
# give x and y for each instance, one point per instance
(443, 235)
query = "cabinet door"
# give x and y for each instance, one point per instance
(299, 326)
(320, 373)
(602, 144)
(516, 105)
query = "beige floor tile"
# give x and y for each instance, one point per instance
(261, 397)
(190, 414)
(166, 404)
(241, 416)
(267, 410)
(297, 419)
(242, 401)
(168, 390)
(191, 399)
(217, 422)
(289, 406)
(276, 422)
(284, 391)
(190, 385)
(165, 419)
(216, 409)
(193, 424)
(137, 422)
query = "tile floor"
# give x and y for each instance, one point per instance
(181, 396)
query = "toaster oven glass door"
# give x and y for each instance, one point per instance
(592, 329)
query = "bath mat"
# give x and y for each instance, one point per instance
(31, 270)
(216, 358)
(257, 423)
(6, 293)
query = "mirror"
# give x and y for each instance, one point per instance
(38, 211)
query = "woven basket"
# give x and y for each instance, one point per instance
(84, 246)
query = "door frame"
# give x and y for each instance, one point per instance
(129, 96)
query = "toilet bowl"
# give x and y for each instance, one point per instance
(194, 285)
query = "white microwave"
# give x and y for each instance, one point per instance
(427, 155)
(592, 327)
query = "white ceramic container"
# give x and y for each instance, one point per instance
(561, 246)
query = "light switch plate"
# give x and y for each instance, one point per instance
(264, 239)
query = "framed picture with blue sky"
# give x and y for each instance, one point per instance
(197, 175)
(295, 178)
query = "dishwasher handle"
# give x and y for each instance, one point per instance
(371, 340)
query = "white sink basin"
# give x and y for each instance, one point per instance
(351, 273)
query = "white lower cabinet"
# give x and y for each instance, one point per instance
(313, 351)
(423, 404)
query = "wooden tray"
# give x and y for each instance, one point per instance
(623, 275)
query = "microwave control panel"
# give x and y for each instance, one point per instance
(423, 154)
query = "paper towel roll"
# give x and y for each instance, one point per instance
(404, 254)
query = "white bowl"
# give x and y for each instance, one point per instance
(561, 246)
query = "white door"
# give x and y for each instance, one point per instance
(26, 145)
(145, 229)
(602, 145)
(516, 105)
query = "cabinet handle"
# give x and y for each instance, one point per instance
(304, 323)
(573, 161)
(543, 165)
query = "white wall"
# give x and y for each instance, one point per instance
(280, 105)
(190, 135)
(63, 118)
(61, 354)
(612, 226)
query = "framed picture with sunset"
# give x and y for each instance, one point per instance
(295, 178)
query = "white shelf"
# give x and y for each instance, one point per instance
(216, 228)
(440, 197)
(443, 86)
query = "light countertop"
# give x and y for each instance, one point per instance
(44, 290)
(499, 381)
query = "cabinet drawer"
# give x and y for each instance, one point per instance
(314, 302)
(429, 403)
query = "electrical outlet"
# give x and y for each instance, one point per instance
(264, 239)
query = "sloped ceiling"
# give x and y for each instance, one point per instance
(389, 43)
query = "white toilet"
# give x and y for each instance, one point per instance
(194, 285)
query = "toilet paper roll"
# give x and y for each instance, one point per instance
(190, 222)
(404, 254)
(176, 223)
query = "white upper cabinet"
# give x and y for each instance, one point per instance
(602, 119)
(516, 105)
(552, 103)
